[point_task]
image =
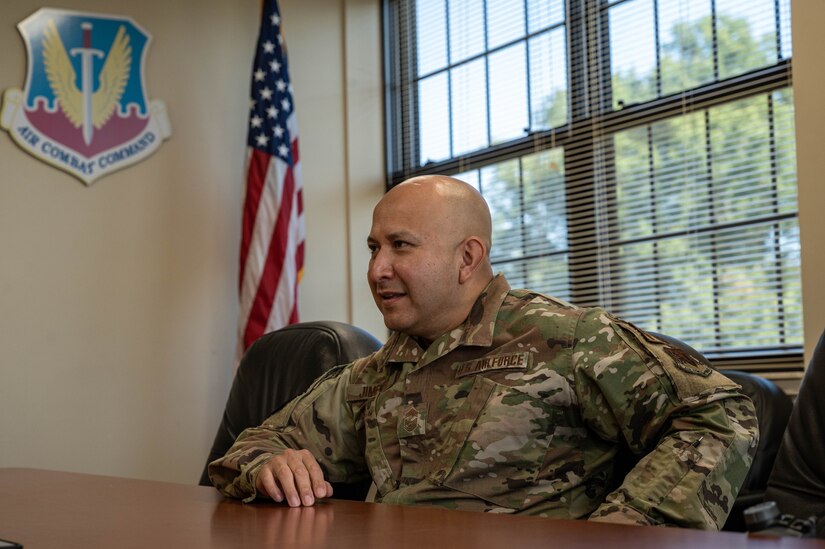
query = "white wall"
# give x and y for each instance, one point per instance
(335, 59)
(118, 301)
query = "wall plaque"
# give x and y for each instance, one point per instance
(84, 107)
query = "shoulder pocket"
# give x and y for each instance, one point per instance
(691, 377)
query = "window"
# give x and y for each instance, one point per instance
(636, 154)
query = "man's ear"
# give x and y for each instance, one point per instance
(473, 253)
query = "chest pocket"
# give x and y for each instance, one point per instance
(502, 451)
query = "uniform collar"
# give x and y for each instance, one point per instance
(477, 329)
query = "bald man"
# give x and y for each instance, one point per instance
(491, 399)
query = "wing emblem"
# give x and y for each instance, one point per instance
(62, 78)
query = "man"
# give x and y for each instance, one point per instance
(491, 399)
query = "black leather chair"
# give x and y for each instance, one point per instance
(797, 482)
(281, 365)
(773, 408)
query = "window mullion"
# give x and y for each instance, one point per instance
(577, 199)
(449, 78)
(528, 76)
(487, 73)
(601, 104)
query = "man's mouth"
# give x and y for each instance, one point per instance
(390, 297)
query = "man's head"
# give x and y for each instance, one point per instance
(430, 254)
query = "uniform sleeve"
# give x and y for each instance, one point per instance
(696, 432)
(321, 421)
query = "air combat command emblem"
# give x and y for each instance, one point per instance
(84, 108)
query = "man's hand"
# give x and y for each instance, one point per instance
(294, 476)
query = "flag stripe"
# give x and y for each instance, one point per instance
(263, 226)
(299, 268)
(263, 302)
(257, 164)
(283, 303)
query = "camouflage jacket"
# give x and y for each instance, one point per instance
(522, 409)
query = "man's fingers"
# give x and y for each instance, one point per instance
(287, 480)
(294, 476)
(307, 473)
(319, 486)
(266, 484)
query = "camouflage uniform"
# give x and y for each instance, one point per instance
(522, 409)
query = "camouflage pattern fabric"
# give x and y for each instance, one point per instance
(522, 409)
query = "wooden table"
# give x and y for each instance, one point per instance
(41, 508)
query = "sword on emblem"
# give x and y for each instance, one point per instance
(87, 55)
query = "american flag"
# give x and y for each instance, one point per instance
(272, 236)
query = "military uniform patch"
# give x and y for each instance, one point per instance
(356, 392)
(412, 420)
(687, 362)
(515, 361)
(664, 349)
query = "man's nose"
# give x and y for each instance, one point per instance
(380, 266)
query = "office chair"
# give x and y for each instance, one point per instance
(773, 409)
(797, 482)
(281, 365)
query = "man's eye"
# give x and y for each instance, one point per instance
(400, 244)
